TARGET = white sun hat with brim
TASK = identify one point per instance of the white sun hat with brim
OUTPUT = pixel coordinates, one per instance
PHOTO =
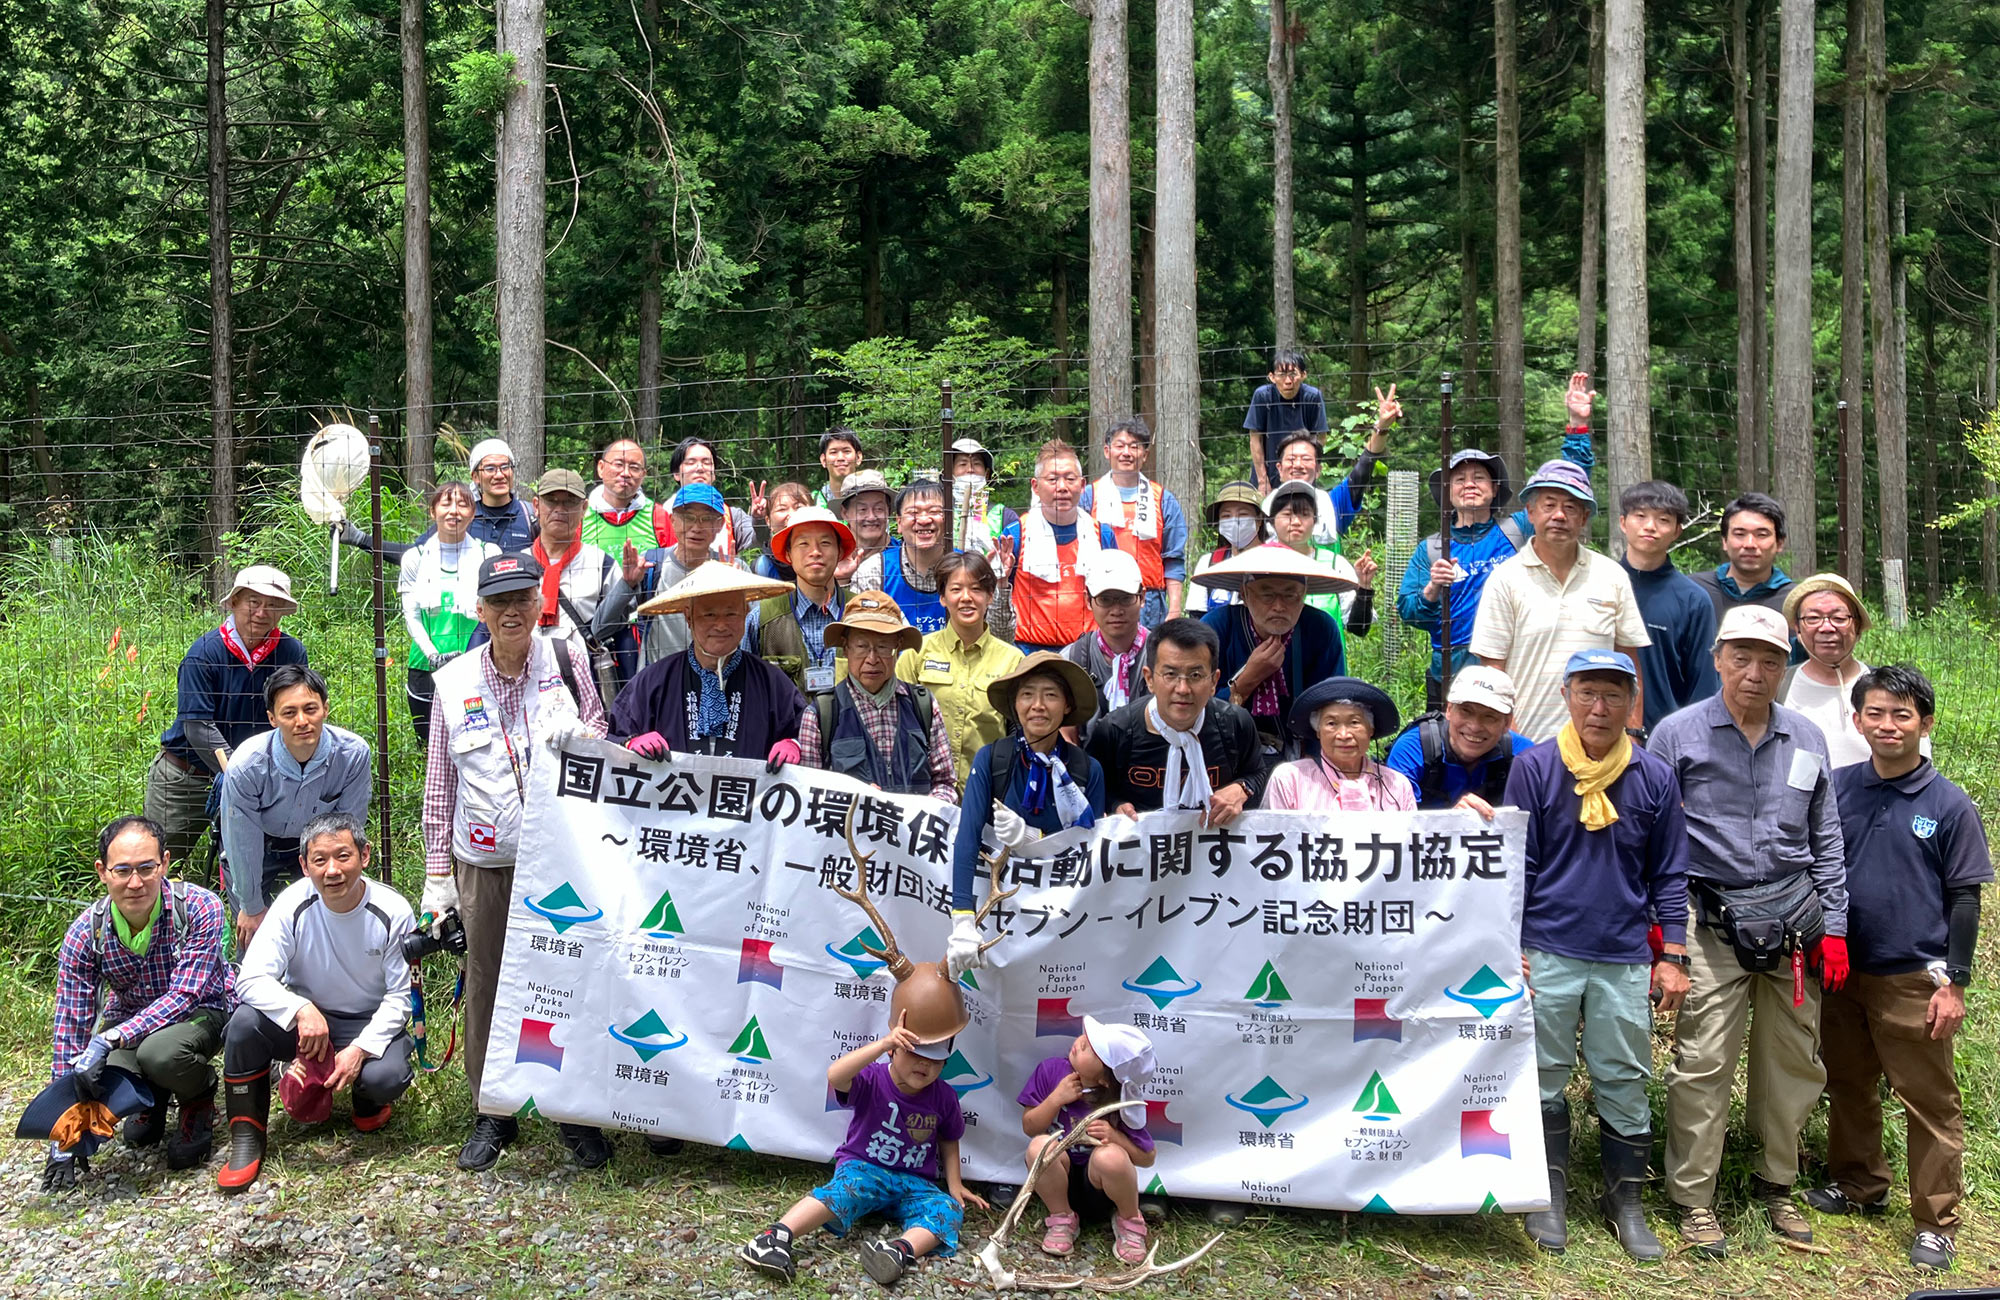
(266, 581)
(1273, 560)
(714, 578)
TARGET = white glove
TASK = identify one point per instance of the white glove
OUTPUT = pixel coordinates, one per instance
(440, 896)
(961, 952)
(563, 730)
(1009, 828)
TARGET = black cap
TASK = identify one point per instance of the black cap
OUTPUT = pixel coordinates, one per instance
(509, 571)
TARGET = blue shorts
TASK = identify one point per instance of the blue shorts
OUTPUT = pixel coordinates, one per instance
(859, 1188)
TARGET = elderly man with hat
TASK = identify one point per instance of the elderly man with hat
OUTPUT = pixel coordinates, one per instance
(326, 987)
(1768, 877)
(714, 697)
(498, 707)
(789, 631)
(500, 518)
(865, 504)
(1236, 515)
(1553, 599)
(1828, 619)
(698, 511)
(1461, 758)
(1334, 722)
(872, 726)
(1112, 650)
(142, 986)
(1605, 857)
(1274, 645)
(219, 703)
(1146, 518)
(978, 521)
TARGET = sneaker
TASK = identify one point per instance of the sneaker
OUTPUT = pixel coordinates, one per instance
(884, 1261)
(1225, 1214)
(1059, 1234)
(1128, 1238)
(369, 1121)
(1932, 1250)
(586, 1145)
(1786, 1219)
(1001, 1195)
(491, 1134)
(1831, 1200)
(1703, 1233)
(765, 1253)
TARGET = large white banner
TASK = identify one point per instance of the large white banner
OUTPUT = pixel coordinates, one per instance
(1336, 1000)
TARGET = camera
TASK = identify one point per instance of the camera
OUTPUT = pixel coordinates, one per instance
(447, 934)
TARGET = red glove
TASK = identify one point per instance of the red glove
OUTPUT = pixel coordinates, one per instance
(785, 751)
(1830, 956)
(1656, 939)
(650, 744)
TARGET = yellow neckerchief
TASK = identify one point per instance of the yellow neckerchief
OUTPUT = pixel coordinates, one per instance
(1593, 776)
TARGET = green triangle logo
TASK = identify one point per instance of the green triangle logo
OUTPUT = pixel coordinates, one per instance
(1491, 1205)
(1484, 981)
(1160, 972)
(738, 1144)
(749, 1046)
(664, 918)
(1268, 990)
(969, 982)
(1267, 1089)
(1375, 1101)
(1376, 1205)
(527, 1110)
(1156, 1187)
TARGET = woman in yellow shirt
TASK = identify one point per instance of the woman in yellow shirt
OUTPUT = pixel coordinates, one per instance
(957, 662)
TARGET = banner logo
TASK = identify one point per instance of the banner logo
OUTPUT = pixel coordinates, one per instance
(1052, 1016)
(854, 953)
(1376, 1205)
(561, 908)
(962, 1075)
(749, 1046)
(1267, 1100)
(1478, 1137)
(1485, 992)
(664, 921)
(1162, 983)
(1268, 990)
(1372, 1022)
(755, 966)
(1375, 1101)
(647, 1036)
(1924, 827)
(1162, 1128)
(535, 1047)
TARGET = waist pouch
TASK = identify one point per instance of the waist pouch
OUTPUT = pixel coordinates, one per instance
(1765, 922)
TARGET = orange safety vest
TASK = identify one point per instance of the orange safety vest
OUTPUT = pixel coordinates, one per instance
(1146, 550)
(1057, 613)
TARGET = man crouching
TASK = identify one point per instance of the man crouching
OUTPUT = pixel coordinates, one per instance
(324, 985)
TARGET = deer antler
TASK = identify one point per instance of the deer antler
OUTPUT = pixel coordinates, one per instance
(889, 953)
(994, 895)
(1005, 1280)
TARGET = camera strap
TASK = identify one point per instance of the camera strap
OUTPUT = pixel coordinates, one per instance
(419, 1022)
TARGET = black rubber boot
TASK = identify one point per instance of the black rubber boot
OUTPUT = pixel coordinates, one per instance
(247, 1099)
(1624, 1162)
(1549, 1228)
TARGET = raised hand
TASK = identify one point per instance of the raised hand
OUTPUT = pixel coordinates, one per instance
(758, 502)
(1003, 558)
(1579, 398)
(631, 567)
(1387, 409)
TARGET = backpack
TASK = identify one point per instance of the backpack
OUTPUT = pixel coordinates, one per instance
(1427, 550)
(1432, 735)
(100, 916)
(823, 704)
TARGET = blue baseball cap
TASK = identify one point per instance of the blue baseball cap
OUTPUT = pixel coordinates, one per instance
(1600, 661)
(700, 494)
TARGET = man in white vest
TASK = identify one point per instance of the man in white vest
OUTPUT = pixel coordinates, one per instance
(497, 709)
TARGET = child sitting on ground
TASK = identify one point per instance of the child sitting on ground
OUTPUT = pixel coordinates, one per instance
(1106, 1063)
(906, 1125)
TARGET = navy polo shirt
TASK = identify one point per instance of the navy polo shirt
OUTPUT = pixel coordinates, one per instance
(1591, 895)
(215, 686)
(1908, 840)
(1407, 757)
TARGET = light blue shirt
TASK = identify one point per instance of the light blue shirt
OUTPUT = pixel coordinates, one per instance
(266, 792)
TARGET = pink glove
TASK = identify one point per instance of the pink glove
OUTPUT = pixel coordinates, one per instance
(785, 751)
(651, 744)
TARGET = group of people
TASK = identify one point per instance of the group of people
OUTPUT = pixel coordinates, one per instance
(1730, 817)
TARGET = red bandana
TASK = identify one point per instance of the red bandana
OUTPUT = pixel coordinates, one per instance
(552, 578)
(257, 654)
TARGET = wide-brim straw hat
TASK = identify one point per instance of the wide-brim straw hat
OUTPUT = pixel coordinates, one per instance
(714, 578)
(1273, 560)
(872, 611)
(781, 541)
(1082, 691)
(1825, 582)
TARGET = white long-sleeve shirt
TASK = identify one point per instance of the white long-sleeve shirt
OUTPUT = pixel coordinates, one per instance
(344, 963)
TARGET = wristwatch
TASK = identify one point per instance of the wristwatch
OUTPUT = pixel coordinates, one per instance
(1679, 959)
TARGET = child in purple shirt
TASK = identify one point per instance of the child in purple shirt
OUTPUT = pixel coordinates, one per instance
(906, 1125)
(1106, 1063)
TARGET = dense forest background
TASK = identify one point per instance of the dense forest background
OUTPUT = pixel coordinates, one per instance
(764, 218)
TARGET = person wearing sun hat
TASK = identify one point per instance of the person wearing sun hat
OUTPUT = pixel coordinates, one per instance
(1274, 645)
(219, 703)
(1236, 515)
(872, 726)
(698, 513)
(1556, 597)
(788, 631)
(1828, 619)
(1335, 721)
(1104, 1063)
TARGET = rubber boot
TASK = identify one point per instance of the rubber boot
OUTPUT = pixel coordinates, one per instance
(191, 1145)
(1624, 1162)
(248, 1102)
(1549, 1228)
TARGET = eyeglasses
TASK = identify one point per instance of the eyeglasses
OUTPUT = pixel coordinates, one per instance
(504, 467)
(1117, 599)
(1825, 620)
(869, 650)
(1171, 677)
(1613, 700)
(626, 466)
(125, 871)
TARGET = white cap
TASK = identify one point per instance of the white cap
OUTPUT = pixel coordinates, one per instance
(489, 447)
(1479, 684)
(1754, 623)
(264, 580)
(1128, 1054)
(1113, 570)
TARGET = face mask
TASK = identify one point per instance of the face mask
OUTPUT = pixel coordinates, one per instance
(976, 481)
(1239, 531)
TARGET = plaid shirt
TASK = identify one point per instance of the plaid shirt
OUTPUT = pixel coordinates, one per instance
(813, 621)
(507, 696)
(179, 975)
(879, 721)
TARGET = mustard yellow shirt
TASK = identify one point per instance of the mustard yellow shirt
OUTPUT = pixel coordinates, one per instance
(958, 675)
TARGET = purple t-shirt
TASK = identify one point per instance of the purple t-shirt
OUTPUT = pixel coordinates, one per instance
(894, 1130)
(1043, 1082)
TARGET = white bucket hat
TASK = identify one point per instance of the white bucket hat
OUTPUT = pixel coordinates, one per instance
(264, 580)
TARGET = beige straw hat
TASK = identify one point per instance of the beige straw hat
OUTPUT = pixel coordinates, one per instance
(714, 578)
(1273, 560)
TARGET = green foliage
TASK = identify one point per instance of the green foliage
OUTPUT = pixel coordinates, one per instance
(476, 87)
(1982, 444)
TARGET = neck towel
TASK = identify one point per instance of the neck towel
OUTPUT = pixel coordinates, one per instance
(1593, 776)
(1187, 771)
(552, 574)
(1039, 557)
(1118, 687)
(1048, 777)
(969, 504)
(1108, 504)
(232, 640)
